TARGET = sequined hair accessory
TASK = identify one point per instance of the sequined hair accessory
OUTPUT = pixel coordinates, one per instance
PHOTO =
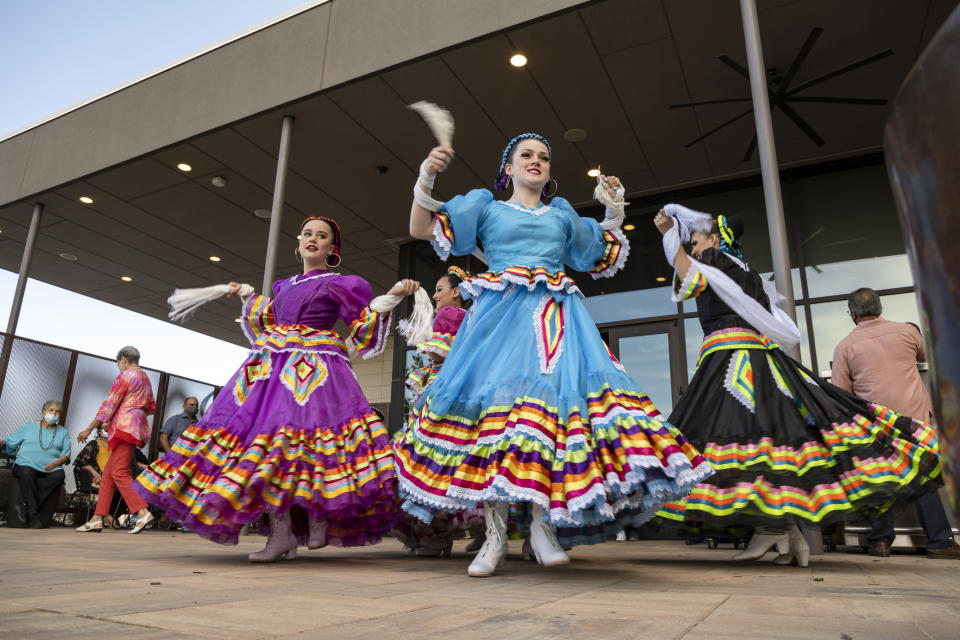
(728, 242)
(458, 272)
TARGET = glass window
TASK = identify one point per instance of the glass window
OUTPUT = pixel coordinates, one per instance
(693, 337)
(841, 278)
(630, 305)
(831, 323)
(647, 359)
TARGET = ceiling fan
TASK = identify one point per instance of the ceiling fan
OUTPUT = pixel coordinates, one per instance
(781, 93)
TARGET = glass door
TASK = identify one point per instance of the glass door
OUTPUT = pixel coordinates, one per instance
(653, 355)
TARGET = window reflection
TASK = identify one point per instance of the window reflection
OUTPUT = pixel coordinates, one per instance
(840, 278)
(630, 305)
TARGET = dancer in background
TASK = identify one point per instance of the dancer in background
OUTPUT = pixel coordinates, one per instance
(125, 413)
(530, 406)
(291, 434)
(787, 446)
(436, 538)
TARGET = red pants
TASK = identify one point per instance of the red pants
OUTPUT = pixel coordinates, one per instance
(117, 473)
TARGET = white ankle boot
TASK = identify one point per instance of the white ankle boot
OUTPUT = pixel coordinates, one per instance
(798, 552)
(762, 541)
(281, 543)
(494, 549)
(543, 540)
(318, 534)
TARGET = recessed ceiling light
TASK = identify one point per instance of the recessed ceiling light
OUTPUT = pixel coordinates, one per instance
(262, 213)
(298, 236)
(593, 173)
(629, 227)
(86, 199)
(237, 320)
(183, 166)
(218, 181)
(68, 256)
(518, 60)
(214, 258)
(575, 135)
(126, 278)
(661, 279)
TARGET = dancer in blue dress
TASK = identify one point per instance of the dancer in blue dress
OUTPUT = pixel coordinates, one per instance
(530, 405)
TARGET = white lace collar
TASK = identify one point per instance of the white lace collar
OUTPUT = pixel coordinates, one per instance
(539, 211)
(297, 279)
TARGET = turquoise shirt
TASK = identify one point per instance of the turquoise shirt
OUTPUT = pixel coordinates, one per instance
(38, 449)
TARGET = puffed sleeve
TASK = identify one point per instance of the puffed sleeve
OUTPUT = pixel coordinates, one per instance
(695, 282)
(455, 225)
(445, 326)
(368, 328)
(590, 247)
(257, 318)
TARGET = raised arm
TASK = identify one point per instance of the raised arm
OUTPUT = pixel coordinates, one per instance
(681, 261)
(421, 218)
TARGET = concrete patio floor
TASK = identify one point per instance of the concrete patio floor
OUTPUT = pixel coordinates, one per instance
(56, 583)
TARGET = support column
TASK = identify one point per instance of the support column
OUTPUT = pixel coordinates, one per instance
(25, 268)
(276, 210)
(769, 168)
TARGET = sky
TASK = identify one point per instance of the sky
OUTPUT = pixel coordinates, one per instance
(59, 53)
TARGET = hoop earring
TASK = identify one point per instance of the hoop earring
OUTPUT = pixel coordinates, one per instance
(296, 255)
(556, 187)
(333, 264)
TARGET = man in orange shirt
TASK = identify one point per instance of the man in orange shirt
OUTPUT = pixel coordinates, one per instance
(878, 362)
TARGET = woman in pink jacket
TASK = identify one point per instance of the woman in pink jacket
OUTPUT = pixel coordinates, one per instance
(125, 413)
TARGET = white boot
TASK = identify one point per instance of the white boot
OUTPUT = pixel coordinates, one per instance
(318, 534)
(762, 541)
(281, 543)
(798, 551)
(494, 549)
(544, 541)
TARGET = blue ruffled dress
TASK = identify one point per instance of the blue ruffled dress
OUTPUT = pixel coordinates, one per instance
(530, 405)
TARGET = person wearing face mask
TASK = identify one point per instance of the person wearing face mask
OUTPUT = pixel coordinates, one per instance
(530, 405)
(174, 427)
(788, 447)
(42, 447)
(124, 413)
(291, 438)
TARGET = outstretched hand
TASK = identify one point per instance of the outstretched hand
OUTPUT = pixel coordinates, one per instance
(234, 290)
(663, 221)
(403, 288)
(438, 160)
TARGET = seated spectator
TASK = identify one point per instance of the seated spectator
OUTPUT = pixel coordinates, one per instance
(174, 427)
(42, 448)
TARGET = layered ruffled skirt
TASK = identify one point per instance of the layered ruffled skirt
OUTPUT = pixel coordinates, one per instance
(531, 407)
(290, 432)
(786, 445)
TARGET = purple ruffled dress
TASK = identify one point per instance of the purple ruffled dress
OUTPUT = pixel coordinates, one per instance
(291, 430)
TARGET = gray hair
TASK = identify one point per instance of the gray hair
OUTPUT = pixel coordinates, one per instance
(864, 303)
(130, 353)
(50, 403)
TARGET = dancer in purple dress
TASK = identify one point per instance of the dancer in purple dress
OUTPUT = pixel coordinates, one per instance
(291, 433)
